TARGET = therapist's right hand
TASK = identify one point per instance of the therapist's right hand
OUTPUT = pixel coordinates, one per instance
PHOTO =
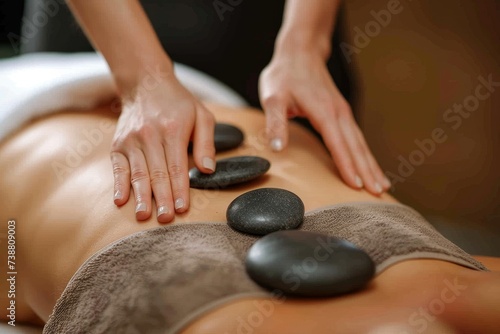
(149, 149)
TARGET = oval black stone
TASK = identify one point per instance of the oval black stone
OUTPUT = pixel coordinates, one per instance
(308, 264)
(265, 210)
(229, 171)
(226, 137)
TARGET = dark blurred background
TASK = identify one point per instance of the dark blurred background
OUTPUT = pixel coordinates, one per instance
(11, 12)
(427, 59)
(410, 72)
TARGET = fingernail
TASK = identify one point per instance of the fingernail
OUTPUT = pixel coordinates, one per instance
(179, 203)
(391, 329)
(140, 207)
(161, 211)
(378, 188)
(208, 163)
(118, 195)
(276, 144)
(387, 183)
(359, 182)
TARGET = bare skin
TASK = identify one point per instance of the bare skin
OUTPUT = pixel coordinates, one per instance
(70, 217)
(149, 146)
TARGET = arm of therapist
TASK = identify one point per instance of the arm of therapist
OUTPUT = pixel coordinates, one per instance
(297, 83)
(158, 117)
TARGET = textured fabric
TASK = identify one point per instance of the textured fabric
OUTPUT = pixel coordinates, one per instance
(157, 280)
(389, 233)
(40, 84)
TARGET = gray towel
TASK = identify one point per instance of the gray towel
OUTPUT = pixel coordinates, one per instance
(159, 280)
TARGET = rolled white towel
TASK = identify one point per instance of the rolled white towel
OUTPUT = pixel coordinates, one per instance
(41, 83)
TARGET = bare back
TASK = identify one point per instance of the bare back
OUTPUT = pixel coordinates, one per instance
(56, 182)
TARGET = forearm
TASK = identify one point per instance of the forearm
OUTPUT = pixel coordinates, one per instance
(121, 31)
(308, 26)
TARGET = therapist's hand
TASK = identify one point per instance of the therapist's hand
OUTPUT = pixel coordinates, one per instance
(149, 149)
(299, 84)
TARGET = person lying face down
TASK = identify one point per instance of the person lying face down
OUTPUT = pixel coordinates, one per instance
(85, 265)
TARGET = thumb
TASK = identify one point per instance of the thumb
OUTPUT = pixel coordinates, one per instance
(276, 123)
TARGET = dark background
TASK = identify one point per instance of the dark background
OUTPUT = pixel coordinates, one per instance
(11, 12)
(428, 58)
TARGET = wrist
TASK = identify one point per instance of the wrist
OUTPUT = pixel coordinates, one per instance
(297, 41)
(142, 73)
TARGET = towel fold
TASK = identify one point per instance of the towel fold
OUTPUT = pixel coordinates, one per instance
(157, 281)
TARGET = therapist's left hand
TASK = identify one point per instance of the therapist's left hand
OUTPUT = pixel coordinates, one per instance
(299, 84)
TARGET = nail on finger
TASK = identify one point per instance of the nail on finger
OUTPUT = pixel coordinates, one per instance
(179, 204)
(140, 207)
(359, 182)
(276, 144)
(162, 210)
(208, 163)
(387, 183)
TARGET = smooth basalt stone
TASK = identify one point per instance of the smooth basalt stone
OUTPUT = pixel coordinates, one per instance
(308, 264)
(229, 172)
(265, 210)
(226, 137)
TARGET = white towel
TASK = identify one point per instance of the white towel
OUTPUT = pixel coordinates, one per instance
(41, 83)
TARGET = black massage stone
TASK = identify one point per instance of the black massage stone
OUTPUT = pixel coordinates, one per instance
(265, 210)
(229, 172)
(226, 137)
(308, 264)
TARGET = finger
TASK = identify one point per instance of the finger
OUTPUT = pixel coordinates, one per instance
(141, 184)
(374, 166)
(121, 175)
(325, 120)
(203, 141)
(336, 144)
(276, 122)
(177, 166)
(160, 181)
(359, 153)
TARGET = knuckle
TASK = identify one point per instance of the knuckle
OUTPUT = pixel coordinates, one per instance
(119, 170)
(145, 132)
(344, 112)
(345, 107)
(171, 127)
(273, 99)
(266, 75)
(138, 175)
(124, 140)
(325, 106)
(118, 144)
(209, 118)
(265, 72)
(175, 171)
(158, 175)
